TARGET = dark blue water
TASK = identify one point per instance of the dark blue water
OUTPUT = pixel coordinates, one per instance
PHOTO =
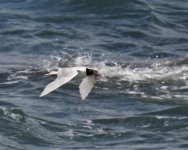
(140, 48)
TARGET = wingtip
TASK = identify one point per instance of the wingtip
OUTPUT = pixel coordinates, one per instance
(82, 98)
(42, 94)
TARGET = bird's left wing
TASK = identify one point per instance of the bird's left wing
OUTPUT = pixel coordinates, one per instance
(64, 75)
(86, 85)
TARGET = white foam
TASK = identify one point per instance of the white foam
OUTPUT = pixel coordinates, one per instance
(156, 71)
(163, 76)
(172, 117)
(17, 77)
(69, 133)
(9, 82)
(10, 114)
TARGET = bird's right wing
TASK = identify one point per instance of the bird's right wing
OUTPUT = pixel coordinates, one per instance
(64, 75)
(86, 85)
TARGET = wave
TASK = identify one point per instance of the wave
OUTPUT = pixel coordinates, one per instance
(132, 72)
(154, 80)
(160, 120)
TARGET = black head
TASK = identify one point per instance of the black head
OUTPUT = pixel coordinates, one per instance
(91, 72)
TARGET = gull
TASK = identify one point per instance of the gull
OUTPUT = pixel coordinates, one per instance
(64, 75)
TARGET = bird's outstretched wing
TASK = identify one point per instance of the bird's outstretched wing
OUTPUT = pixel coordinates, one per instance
(86, 85)
(64, 75)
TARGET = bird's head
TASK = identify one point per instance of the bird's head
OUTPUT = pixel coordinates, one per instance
(91, 72)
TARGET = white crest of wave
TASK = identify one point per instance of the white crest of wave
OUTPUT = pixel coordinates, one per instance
(157, 80)
(143, 73)
(133, 74)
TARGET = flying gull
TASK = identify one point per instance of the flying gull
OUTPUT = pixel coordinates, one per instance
(64, 75)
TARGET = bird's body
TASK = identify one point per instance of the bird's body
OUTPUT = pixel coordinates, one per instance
(64, 75)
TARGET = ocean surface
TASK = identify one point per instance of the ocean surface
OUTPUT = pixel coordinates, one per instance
(139, 47)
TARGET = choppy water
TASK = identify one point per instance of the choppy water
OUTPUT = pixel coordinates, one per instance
(139, 47)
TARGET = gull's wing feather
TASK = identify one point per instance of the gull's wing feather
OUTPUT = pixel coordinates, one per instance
(86, 85)
(64, 75)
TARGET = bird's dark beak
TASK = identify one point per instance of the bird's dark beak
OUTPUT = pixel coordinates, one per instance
(95, 72)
